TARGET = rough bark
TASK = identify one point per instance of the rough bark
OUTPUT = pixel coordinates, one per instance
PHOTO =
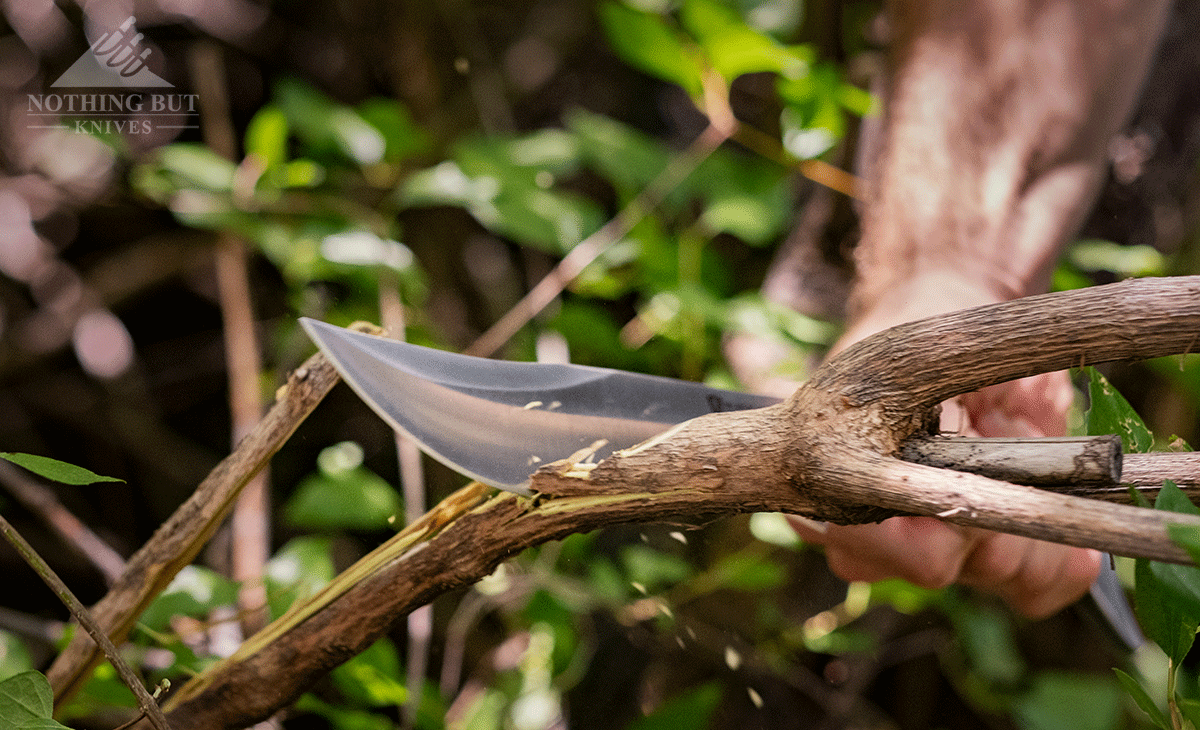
(829, 452)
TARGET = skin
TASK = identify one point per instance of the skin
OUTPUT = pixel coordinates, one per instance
(994, 144)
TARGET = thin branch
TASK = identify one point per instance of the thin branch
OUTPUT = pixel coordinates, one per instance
(251, 520)
(146, 703)
(914, 366)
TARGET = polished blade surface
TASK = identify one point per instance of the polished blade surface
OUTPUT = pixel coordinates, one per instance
(498, 421)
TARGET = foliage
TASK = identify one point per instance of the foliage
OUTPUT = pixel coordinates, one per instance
(25, 702)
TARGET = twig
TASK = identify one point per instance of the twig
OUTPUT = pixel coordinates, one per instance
(145, 702)
(250, 524)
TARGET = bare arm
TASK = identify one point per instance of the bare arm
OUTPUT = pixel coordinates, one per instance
(995, 136)
(996, 130)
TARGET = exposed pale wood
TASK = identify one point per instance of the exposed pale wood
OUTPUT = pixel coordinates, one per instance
(1086, 460)
(829, 452)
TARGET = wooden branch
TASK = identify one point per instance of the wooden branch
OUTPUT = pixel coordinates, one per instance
(829, 452)
(177, 542)
(1145, 473)
(914, 366)
(274, 673)
(1082, 461)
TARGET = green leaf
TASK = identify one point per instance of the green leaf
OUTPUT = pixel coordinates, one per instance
(744, 572)
(24, 697)
(814, 118)
(359, 500)
(547, 609)
(1124, 261)
(648, 43)
(1167, 621)
(734, 48)
(1190, 709)
(1055, 702)
(14, 655)
(1188, 538)
(373, 678)
(196, 166)
(403, 136)
(689, 710)
(298, 570)
(341, 718)
(56, 470)
(652, 569)
(103, 690)
(194, 591)
(904, 596)
(328, 127)
(747, 197)
(343, 495)
(1143, 700)
(507, 185)
(267, 136)
(627, 158)
(1173, 589)
(987, 639)
(1111, 413)
(773, 528)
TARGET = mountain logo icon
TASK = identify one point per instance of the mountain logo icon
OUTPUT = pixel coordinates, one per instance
(115, 59)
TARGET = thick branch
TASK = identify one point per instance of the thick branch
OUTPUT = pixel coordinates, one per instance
(828, 452)
(670, 486)
(914, 366)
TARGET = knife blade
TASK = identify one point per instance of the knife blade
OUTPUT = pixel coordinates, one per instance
(498, 421)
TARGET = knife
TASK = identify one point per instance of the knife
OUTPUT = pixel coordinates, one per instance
(497, 421)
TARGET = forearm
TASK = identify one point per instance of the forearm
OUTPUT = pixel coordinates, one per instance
(999, 117)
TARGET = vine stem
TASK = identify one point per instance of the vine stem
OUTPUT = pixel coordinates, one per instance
(146, 703)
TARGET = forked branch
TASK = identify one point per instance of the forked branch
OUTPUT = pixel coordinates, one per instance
(829, 452)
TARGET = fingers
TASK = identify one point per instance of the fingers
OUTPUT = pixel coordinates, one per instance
(922, 550)
(1036, 578)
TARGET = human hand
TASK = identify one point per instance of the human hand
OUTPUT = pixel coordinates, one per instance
(1036, 578)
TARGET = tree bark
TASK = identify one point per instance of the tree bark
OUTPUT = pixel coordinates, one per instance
(829, 452)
